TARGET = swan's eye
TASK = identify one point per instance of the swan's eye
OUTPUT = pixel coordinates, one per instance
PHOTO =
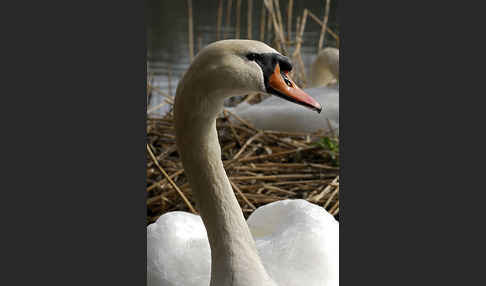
(251, 56)
(287, 81)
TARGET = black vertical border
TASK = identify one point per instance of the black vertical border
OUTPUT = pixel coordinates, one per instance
(73, 147)
(403, 106)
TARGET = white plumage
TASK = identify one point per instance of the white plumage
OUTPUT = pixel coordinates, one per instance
(297, 241)
(290, 242)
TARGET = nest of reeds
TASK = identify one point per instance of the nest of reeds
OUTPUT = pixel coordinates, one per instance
(262, 166)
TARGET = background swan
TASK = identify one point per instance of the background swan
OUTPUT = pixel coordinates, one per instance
(273, 114)
(290, 242)
(325, 68)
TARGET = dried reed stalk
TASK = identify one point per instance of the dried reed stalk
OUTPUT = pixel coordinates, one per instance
(170, 180)
(262, 24)
(279, 39)
(296, 56)
(279, 18)
(169, 77)
(149, 84)
(228, 18)
(331, 32)
(324, 26)
(289, 19)
(242, 195)
(158, 106)
(199, 43)
(219, 19)
(249, 19)
(297, 27)
(238, 14)
(269, 21)
(190, 34)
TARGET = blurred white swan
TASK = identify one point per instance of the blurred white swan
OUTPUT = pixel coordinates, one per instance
(285, 243)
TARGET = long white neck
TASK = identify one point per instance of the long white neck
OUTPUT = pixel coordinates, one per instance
(234, 257)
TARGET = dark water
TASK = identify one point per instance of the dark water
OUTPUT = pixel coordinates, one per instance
(167, 26)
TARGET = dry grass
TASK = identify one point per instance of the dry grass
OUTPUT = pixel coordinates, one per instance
(263, 167)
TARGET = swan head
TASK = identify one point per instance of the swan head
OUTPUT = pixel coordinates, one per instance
(238, 67)
(325, 68)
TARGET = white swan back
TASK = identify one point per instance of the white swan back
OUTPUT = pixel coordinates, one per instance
(276, 114)
(178, 252)
(298, 242)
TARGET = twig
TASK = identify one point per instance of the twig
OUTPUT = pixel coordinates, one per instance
(154, 108)
(333, 209)
(279, 18)
(276, 177)
(170, 180)
(318, 21)
(241, 120)
(190, 34)
(323, 30)
(161, 182)
(262, 24)
(249, 19)
(220, 19)
(331, 197)
(289, 19)
(273, 188)
(228, 18)
(169, 78)
(246, 145)
(262, 157)
(242, 195)
(233, 132)
(238, 13)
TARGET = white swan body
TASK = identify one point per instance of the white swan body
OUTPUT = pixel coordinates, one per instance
(297, 241)
(275, 114)
(299, 232)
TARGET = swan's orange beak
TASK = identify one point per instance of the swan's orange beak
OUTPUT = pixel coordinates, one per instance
(287, 89)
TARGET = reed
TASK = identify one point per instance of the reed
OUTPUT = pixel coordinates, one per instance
(199, 43)
(262, 24)
(289, 19)
(269, 21)
(324, 26)
(296, 56)
(279, 18)
(190, 34)
(249, 19)
(228, 18)
(169, 78)
(219, 19)
(279, 40)
(238, 14)
(149, 83)
(331, 32)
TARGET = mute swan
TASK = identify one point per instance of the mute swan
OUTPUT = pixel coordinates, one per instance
(289, 242)
(272, 114)
(325, 68)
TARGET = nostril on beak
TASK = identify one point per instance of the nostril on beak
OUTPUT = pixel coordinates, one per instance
(287, 81)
